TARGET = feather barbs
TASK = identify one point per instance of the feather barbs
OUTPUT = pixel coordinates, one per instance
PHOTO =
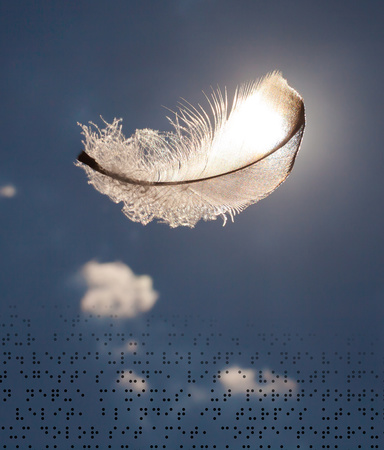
(210, 165)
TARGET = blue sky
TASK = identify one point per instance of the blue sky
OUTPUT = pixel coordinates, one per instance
(308, 259)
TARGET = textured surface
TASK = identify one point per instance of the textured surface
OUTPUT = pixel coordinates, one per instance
(207, 167)
(183, 383)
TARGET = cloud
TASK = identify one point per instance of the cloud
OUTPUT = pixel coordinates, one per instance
(129, 378)
(131, 347)
(241, 381)
(113, 289)
(7, 191)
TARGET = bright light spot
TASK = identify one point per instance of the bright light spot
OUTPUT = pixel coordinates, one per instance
(7, 191)
(258, 123)
(254, 128)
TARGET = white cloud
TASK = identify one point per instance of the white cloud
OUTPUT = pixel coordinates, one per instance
(7, 191)
(113, 289)
(241, 381)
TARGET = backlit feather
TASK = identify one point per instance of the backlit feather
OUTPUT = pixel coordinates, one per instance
(211, 164)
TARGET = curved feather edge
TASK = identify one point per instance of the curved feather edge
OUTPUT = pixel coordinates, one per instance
(160, 175)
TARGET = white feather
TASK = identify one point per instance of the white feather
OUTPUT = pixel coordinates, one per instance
(208, 166)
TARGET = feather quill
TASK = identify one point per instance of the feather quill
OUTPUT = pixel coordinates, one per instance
(210, 165)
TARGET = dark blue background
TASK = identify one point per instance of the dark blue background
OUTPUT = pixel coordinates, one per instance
(309, 258)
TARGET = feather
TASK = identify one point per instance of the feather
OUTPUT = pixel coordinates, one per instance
(209, 165)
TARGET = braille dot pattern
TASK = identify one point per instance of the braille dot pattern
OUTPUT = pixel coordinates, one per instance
(76, 380)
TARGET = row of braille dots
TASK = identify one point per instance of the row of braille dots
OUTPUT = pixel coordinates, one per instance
(248, 434)
(146, 374)
(54, 432)
(106, 338)
(37, 374)
(72, 359)
(76, 358)
(263, 336)
(261, 446)
(218, 358)
(74, 446)
(225, 357)
(328, 432)
(176, 320)
(54, 394)
(41, 413)
(169, 360)
(202, 446)
(173, 321)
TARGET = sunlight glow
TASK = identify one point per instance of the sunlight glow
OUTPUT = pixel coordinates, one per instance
(259, 123)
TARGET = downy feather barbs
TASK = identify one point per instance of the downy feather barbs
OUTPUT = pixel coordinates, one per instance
(210, 165)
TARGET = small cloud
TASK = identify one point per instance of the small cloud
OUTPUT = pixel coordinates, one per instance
(113, 289)
(132, 347)
(129, 379)
(7, 191)
(241, 381)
